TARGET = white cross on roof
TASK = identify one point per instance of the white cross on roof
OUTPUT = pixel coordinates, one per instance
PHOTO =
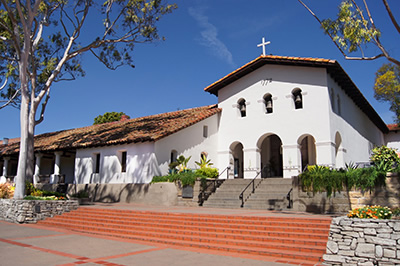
(263, 44)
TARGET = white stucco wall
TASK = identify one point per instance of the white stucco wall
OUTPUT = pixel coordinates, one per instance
(190, 142)
(145, 160)
(141, 164)
(392, 140)
(358, 133)
(291, 125)
(288, 123)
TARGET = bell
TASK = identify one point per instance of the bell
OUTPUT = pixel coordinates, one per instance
(269, 104)
(298, 99)
(243, 108)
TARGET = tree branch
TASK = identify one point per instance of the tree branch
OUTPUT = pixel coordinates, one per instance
(11, 99)
(320, 22)
(62, 11)
(364, 58)
(13, 31)
(375, 39)
(4, 84)
(105, 63)
(81, 21)
(40, 120)
(392, 18)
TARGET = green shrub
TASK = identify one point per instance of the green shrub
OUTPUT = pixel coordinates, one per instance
(186, 178)
(208, 172)
(189, 178)
(396, 211)
(157, 179)
(80, 194)
(29, 188)
(322, 179)
(46, 193)
(30, 197)
(204, 163)
(36, 193)
(385, 159)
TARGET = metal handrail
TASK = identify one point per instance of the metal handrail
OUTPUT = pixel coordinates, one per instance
(288, 198)
(254, 188)
(203, 193)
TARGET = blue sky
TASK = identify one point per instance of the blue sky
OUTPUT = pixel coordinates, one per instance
(205, 40)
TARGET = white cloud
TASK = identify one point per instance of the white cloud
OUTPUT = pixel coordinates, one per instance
(209, 36)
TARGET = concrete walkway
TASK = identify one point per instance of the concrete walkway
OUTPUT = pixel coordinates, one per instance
(39, 245)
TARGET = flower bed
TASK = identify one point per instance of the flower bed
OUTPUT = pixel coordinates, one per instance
(371, 212)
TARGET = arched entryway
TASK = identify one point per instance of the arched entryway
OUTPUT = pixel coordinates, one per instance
(339, 160)
(236, 151)
(271, 156)
(307, 151)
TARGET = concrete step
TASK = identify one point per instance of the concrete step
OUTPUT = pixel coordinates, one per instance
(278, 181)
(227, 195)
(293, 239)
(266, 196)
(270, 193)
(272, 189)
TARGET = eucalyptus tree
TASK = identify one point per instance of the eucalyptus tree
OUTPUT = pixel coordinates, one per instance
(42, 42)
(353, 30)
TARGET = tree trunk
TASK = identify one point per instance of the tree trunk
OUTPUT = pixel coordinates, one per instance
(19, 192)
(23, 152)
(30, 145)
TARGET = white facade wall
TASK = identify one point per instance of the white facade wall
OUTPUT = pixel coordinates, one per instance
(357, 132)
(141, 164)
(288, 123)
(145, 160)
(352, 128)
(190, 142)
(392, 140)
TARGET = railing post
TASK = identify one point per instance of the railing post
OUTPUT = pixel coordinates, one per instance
(241, 196)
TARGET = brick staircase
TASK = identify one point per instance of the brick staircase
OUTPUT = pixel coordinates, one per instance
(292, 240)
(270, 194)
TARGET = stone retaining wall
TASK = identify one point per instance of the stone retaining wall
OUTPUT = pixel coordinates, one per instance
(31, 211)
(344, 201)
(363, 242)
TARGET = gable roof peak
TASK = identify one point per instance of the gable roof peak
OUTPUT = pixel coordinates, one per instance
(332, 67)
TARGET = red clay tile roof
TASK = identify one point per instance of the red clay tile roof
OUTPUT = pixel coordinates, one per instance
(393, 127)
(260, 61)
(10, 140)
(332, 66)
(149, 128)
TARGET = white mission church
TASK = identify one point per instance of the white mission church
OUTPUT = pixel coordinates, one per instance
(275, 115)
